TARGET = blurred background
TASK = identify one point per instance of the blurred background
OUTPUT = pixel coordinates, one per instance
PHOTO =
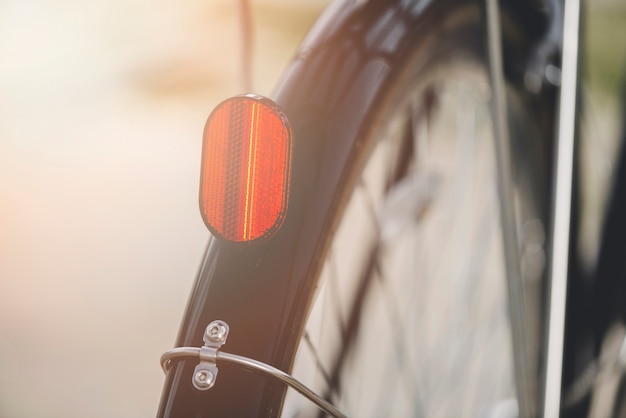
(102, 106)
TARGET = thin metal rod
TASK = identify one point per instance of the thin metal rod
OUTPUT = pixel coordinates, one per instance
(283, 377)
(246, 44)
(515, 287)
(562, 209)
(179, 352)
(256, 366)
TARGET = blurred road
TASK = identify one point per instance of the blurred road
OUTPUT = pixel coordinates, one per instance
(102, 107)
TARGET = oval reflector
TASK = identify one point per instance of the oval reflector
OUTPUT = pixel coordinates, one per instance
(246, 162)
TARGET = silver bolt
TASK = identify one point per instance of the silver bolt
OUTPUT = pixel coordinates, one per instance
(204, 379)
(216, 332)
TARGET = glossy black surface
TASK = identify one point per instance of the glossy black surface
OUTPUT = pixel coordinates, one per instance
(328, 92)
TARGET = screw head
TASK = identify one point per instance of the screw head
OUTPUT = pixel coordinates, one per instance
(216, 332)
(204, 379)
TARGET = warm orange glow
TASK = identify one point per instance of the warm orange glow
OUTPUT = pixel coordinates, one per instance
(246, 161)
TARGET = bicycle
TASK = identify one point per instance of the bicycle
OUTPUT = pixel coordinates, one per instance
(368, 89)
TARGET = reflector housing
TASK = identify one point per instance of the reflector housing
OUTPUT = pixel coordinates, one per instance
(246, 162)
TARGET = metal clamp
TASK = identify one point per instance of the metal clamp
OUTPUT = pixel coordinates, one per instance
(205, 373)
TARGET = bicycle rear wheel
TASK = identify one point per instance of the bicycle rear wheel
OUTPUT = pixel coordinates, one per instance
(410, 316)
(411, 310)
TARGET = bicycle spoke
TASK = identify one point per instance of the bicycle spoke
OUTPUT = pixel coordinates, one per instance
(423, 232)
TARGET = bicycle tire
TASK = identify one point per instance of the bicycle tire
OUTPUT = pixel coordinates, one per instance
(345, 79)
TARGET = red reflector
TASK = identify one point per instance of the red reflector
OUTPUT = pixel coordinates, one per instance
(246, 158)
